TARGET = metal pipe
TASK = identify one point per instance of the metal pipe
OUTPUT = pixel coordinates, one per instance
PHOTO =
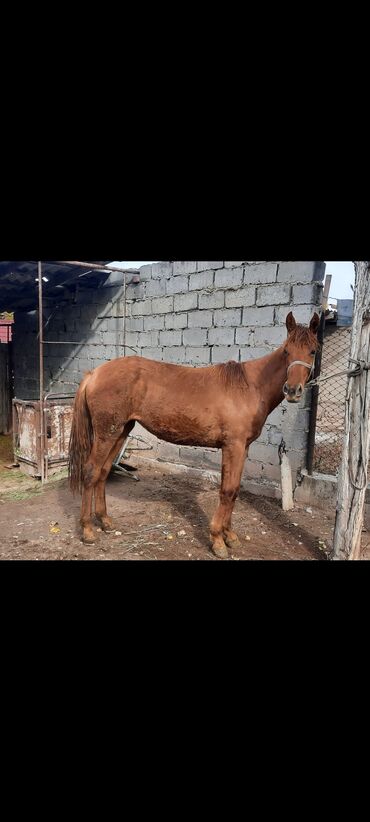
(57, 396)
(315, 398)
(124, 314)
(94, 267)
(82, 342)
(41, 364)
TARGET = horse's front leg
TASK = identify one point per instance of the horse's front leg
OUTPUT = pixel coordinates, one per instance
(230, 537)
(233, 457)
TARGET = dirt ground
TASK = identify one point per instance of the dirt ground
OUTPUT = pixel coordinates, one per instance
(164, 516)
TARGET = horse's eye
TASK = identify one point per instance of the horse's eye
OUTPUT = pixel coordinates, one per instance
(313, 353)
(285, 351)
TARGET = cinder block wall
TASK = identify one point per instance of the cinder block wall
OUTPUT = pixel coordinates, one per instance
(193, 313)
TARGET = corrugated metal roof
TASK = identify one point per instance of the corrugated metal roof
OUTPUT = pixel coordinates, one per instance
(18, 281)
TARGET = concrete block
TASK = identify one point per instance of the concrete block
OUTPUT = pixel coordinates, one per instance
(185, 302)
(311, 293)
(148, 339)
(273, 335)
(177, 285)
(145, 273)
(205, 279)
(227, 317)
(115, 324)
(253, 317)
(244, 296)
(170, 337)
(221, 336)
(155, 288)
(230, 278)
(198, 356)
(184, 267)
(233, 263)
(200, 319)
(261, 273)
(277, 416)
(154, 322)
(249, 352)
(96, 325)
(176, 320)
(221, 353)
(135, 323)
(142, 308)
(294, 271)
(133, 338)
(111, 338)
(163, 269)
(162, 305)
(264, 453)
(203, 266)
(175, 354)
(244, 336)
(261, 471)
(294, 440)
(135, 291)
(273, 294)
(302, 313)
(195, 336)
(216, 299)
(155, 353)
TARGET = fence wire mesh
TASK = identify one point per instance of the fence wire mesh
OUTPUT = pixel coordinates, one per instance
(331, 401)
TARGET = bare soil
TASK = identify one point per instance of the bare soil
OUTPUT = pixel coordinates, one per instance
(161, 517)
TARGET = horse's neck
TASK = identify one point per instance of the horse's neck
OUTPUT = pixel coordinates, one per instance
(269, 375)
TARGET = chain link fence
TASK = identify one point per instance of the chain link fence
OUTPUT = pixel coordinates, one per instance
(331, 401)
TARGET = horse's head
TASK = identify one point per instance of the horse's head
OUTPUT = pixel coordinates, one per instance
(300, 349)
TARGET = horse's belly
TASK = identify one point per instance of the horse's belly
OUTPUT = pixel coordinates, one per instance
(182, 430)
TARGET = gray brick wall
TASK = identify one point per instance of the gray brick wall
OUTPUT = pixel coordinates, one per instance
(191, 312)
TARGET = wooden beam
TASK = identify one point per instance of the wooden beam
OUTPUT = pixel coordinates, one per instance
(352, 479)
(326, 292)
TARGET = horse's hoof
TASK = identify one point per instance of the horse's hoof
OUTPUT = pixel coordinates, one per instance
(232, 542)
(88, 537)
(220, 551)
(107, 527)
(88, 540)
(106, 524)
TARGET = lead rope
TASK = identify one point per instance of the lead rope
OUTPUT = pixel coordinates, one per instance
(360, 367)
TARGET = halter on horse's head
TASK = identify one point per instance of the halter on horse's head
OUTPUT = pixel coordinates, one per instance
(300, 349)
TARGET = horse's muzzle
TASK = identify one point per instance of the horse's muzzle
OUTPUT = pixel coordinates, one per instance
(293, 393)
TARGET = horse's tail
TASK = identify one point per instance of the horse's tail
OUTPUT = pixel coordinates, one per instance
(81, 439)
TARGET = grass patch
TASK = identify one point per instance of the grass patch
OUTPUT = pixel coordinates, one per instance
(18, 486)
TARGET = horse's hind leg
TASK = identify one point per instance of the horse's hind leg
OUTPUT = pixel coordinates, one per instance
(100, 501)
(232, 466)
(88, 535)
(92, 469)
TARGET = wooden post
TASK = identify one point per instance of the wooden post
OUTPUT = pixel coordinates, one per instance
(325, 295)
(287, 502)
(352, 479)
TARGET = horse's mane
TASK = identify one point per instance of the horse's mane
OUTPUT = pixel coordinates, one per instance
(303, 336)
(231, 374)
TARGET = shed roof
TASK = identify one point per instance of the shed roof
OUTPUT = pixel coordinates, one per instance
(18, 281)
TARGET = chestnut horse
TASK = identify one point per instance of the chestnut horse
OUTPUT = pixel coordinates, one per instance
(220, 406)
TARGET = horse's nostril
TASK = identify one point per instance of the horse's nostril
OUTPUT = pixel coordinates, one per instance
(299, 390)
(286, 389)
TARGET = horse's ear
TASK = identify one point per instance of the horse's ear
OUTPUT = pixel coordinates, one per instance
(314, 324)
(290, 323)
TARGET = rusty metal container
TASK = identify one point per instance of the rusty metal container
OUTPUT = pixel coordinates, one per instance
(29, 450)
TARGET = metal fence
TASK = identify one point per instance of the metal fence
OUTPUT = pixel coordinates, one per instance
(331, 400)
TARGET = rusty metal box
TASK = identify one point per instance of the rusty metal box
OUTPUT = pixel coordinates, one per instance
(29, 450)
